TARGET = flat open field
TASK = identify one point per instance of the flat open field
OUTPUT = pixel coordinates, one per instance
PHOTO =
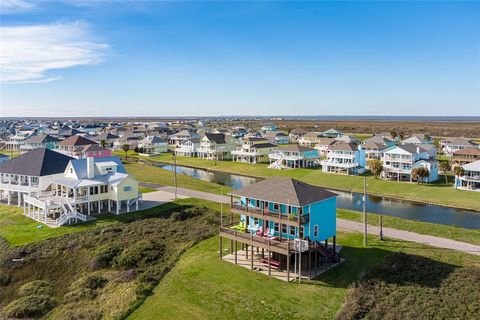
(469, 129)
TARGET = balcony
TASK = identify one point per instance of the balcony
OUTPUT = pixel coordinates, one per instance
(263, 214)
(279, 246)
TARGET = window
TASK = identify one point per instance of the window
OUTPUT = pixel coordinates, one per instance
(284, 228)
(292, 230)
(127, 188)
(315, 230)
(95, 190)
(275, 227)
(302, 232)
(276, 207)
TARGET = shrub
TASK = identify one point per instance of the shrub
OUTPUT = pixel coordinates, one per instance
(5, 279)
(30, 306)
(140, 254)
(37, 287)
(93, 282)
(104, 258)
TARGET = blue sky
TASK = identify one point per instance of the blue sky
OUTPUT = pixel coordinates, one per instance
(118, 58)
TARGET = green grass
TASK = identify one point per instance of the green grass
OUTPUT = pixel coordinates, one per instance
(438, 192)
(450, 232)
(19, 230)
(151, 174)
(146, 190)
(204, 287)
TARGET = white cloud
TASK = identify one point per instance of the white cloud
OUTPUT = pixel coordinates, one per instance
(14, 6)
(29, 53)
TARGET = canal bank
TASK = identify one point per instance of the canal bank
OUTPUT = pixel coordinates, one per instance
(351, 200)
(444, 195)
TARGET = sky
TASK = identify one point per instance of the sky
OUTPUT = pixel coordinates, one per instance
(195, 58)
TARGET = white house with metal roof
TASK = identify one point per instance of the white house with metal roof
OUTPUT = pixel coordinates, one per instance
(399, 161)
(87, 186)
(470, 180)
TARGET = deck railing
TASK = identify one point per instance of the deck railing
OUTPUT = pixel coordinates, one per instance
(257, 240)
(261, 211)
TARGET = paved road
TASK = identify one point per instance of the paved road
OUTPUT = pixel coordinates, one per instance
(343, 224)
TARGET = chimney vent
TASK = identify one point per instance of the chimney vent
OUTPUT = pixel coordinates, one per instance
(90, 167)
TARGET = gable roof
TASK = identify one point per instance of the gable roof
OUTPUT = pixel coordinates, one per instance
(467, 151)
(107, 136)
(344, 146)
(285, 190)
(473, 166)
(296, 148)
(80, 165)
(76, 141)
(37, 162)
(41, 138)
(218, 138)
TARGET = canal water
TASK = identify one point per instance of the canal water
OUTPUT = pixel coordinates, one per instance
(353, 200)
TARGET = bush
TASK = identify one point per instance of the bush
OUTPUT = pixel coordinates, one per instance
(104, 258)
(37, 287)
(139, 254)
(93, 282)
(30, 306)
(5, 279)
(188, 213)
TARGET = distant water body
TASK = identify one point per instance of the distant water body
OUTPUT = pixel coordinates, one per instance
(382, 118)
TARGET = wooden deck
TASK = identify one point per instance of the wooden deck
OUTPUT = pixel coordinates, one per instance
(281, 247)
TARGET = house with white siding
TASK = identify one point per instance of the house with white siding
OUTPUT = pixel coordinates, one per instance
(86, 187)
(294, 156)
(344, 158)
(188, 147)
(450, 146)
(399, 161)
(470, 180)
(30, 174)
(216, 146)
(253, 150)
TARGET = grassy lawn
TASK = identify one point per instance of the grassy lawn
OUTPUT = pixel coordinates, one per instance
(438, 193)
(151, 174)
(450, 232)
(206, 288)
(19, 230)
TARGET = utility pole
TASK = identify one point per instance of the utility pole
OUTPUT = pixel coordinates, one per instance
(365, 241)
(380, 224)
(175, 173)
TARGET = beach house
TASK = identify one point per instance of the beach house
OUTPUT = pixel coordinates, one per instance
(253, 150)
(344, 158)
(294, 156)
(86, 187)
(399, 161)
(284, 225)
(470, 180)
(216, 146)
(30, 174)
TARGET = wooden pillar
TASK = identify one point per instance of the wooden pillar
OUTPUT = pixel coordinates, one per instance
(309, 264)
(251, 258)
(334, 244)
(269, 259)
(235, 251)
(288, 265)
(316, 255)
(220, 244)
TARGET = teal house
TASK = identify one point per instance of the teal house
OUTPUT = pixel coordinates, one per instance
(293, 224)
